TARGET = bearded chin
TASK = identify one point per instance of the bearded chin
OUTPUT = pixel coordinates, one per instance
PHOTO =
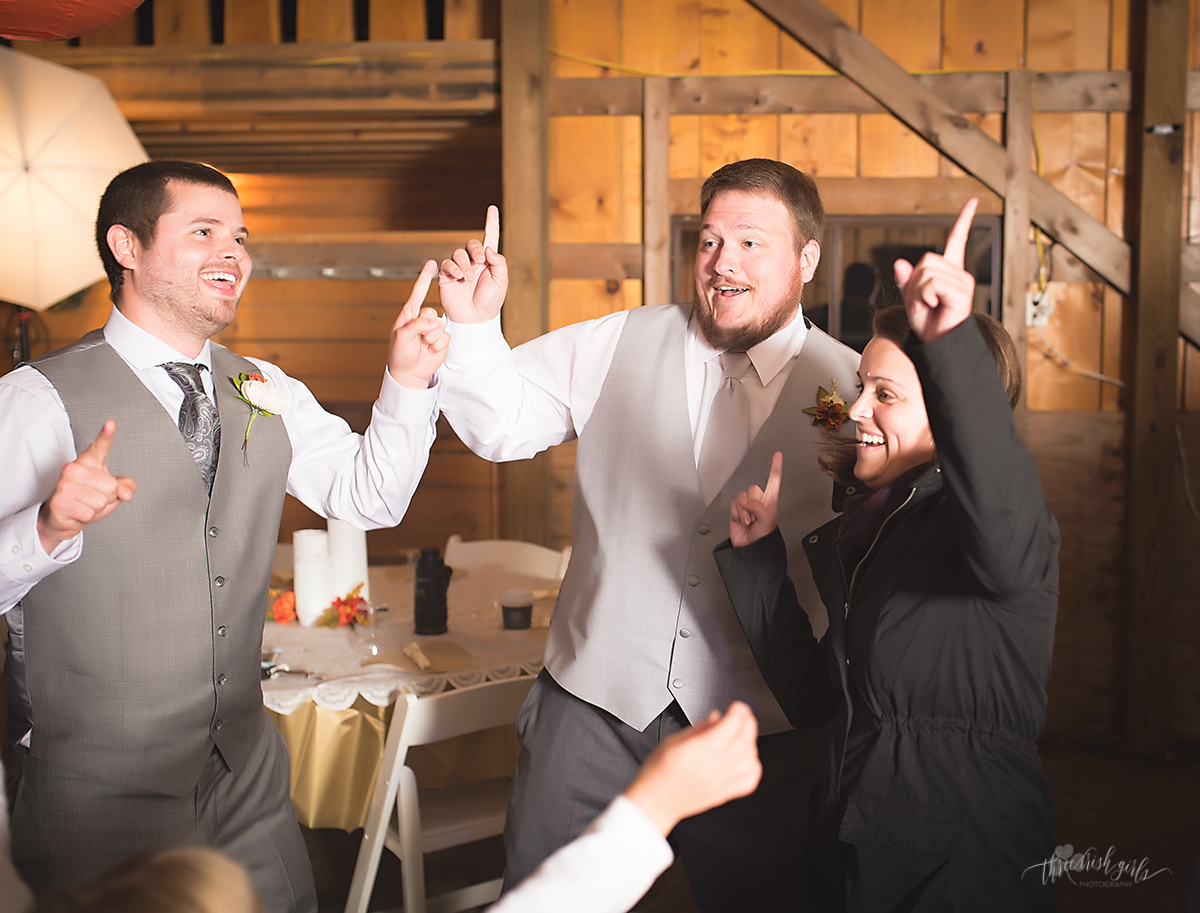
(745, 337)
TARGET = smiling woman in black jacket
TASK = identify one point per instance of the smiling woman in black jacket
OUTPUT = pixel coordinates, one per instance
(941, 583)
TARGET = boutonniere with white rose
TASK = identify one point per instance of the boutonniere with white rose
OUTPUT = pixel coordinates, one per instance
(263, 398)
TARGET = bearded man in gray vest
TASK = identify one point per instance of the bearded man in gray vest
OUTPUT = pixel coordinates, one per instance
(134, 565)
(676, 408)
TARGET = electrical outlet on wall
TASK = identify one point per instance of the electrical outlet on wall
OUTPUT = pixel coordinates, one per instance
(1038, 308)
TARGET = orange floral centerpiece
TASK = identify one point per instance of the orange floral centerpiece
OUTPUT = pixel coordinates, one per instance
(283, 606)
(348, 610)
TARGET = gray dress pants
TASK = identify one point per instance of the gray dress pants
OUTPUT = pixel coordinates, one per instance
(68, 828)
(755, 854)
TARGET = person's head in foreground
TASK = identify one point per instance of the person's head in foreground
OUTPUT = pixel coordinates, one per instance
(175, 879)
(893, 433)
(760, 225)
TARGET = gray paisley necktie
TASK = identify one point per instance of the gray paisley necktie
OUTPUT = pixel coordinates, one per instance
(198, 419)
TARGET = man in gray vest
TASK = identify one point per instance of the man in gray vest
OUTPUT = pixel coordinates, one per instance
(676, 408)
(134, 564)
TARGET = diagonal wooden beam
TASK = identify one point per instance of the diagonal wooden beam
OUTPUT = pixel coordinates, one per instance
(821, 31)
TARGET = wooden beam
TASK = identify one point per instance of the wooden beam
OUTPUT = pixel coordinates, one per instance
(656, 193)
(352, 254)
(379, 78)
(1018, 147)
(871, 196)
(1189, 314)
(1103, 90)
(524, 29)
(944, 127)
(1154, 344)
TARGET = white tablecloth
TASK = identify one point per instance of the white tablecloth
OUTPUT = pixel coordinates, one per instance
(336, 654)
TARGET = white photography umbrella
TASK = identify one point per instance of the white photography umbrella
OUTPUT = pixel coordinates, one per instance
(62, 139)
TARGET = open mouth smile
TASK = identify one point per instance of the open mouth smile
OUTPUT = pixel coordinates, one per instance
(729, 290)
(221, 277)
(869, 439)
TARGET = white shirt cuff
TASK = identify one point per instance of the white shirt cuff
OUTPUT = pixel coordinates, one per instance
(404, 404)
(470, 341)
(22, 558)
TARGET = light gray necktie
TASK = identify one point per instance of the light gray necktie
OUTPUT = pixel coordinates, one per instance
(727, 436)
(198, 419)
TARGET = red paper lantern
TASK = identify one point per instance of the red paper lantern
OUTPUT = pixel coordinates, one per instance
(51, 20)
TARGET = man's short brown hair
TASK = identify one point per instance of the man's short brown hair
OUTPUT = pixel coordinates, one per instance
(137, 199)
(790, 186)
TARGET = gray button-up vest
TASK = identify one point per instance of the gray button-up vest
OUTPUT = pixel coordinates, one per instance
(642, 614)
(144, 653)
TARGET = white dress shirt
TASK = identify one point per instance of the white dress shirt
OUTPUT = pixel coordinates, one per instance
(367, 479)
(509, 404)
(606, 869)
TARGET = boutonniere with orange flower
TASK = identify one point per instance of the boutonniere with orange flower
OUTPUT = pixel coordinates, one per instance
(263, 398)
(830, 411)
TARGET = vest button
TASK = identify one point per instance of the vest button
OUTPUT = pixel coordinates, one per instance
(812, 540)
(850, 489)
(678, 683)
(221, 631)
(684, 632)
(221, 679)
(213, 532)
(702, 529)
(220, 581)
(693, 580)
(218, 725)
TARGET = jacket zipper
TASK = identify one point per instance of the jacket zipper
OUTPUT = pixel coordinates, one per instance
(863, 560)
(849, 591)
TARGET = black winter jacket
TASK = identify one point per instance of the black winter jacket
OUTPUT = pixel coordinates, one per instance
(934, 667)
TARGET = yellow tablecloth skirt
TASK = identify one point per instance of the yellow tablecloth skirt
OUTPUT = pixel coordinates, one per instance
(336, 754)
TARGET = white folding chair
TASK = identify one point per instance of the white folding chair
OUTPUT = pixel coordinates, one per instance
(433, 819)
(511, 554)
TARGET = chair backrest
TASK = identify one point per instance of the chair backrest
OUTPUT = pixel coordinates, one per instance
(511, 554)
(454, 713)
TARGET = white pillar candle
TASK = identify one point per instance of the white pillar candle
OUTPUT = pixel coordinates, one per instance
(348, 556)
(313, 574)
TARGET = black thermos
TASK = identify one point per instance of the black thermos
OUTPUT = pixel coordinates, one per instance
(429, 592)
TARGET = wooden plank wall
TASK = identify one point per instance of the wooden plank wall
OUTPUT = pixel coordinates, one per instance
(1075, 426)
(332, 334)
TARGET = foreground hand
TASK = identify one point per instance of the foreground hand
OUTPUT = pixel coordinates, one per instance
(473, 281)
(755, 513)
(419, 338)
(86, 492)
(938, 292)
(699, 768)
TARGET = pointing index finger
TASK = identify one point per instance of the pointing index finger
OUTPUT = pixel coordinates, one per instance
(412, 307)
(956, 241)
(491, 231)
(771, 492)
(97, 451)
